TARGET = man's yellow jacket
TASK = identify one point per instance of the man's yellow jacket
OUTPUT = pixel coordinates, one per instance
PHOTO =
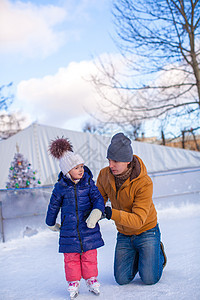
(132, 206)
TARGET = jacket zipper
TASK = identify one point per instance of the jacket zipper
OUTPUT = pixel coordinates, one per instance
(62, 221)
(119, 206)
(76, 199)
(116, 199)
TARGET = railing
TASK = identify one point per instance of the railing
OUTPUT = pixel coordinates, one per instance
(23, 211)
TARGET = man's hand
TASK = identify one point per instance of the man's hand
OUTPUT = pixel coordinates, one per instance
(108, 212)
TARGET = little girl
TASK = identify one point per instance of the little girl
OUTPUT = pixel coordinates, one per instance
(81, 208)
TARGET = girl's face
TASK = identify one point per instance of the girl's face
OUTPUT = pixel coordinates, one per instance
(77, 172)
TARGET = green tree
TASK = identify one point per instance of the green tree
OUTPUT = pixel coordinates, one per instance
(21, 174)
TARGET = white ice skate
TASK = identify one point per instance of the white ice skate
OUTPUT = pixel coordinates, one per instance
(93, 285)
(73, 289)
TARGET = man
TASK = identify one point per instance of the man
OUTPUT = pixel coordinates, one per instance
(126, 183)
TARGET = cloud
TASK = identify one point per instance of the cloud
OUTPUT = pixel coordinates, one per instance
(38, 30)
(68, 94)
(57, 98)
(29, 29)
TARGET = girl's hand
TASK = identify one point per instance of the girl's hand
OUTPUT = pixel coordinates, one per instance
(55, 227)
(93, 218)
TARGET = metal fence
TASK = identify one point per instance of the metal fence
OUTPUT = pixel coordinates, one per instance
(176, 188)
(23, 211)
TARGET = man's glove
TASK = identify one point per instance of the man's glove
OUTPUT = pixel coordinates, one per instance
(108, 212)
(93, 218)
(55, 227)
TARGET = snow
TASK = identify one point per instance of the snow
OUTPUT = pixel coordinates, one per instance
(32, 268)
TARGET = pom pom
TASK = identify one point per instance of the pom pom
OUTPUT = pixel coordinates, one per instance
(58, 147)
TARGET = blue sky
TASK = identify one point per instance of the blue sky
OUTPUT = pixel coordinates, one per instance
(46, 49)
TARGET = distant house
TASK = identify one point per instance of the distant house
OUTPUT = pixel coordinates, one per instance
(188, 142)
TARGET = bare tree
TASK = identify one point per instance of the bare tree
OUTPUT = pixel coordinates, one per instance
(10, 124)
(197, 145)
(186, 134)
(89, 127)
(160, 43)
(6, 98)
(133, 130)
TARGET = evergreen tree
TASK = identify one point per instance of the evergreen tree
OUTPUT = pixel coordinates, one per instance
(21, 174)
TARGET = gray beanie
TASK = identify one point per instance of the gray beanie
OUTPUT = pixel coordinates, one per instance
(120, 148)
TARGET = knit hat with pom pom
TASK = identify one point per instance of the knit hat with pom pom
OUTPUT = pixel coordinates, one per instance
(62, 150)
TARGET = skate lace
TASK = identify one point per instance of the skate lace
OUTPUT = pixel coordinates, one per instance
(73, 284)
(93, 281)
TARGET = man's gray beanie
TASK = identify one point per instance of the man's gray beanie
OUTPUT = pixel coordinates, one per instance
(120, 148)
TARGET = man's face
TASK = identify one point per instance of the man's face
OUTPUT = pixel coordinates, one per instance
(118, 167)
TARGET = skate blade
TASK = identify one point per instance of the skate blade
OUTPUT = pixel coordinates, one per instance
(74, 296)
(97, 293)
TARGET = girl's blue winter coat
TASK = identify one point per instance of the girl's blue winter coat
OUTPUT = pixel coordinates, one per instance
(76, 202)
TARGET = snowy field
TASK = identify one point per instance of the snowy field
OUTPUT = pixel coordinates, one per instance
(32, 268)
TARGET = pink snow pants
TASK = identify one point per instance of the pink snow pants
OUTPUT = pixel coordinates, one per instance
(78, 265)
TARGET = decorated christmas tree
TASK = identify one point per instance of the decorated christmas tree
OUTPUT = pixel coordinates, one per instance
(21, 174)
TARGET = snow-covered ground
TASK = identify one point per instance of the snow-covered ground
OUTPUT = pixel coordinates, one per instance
(32, 268)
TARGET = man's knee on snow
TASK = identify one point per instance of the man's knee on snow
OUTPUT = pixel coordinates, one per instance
(121, 280)
(150, 280)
